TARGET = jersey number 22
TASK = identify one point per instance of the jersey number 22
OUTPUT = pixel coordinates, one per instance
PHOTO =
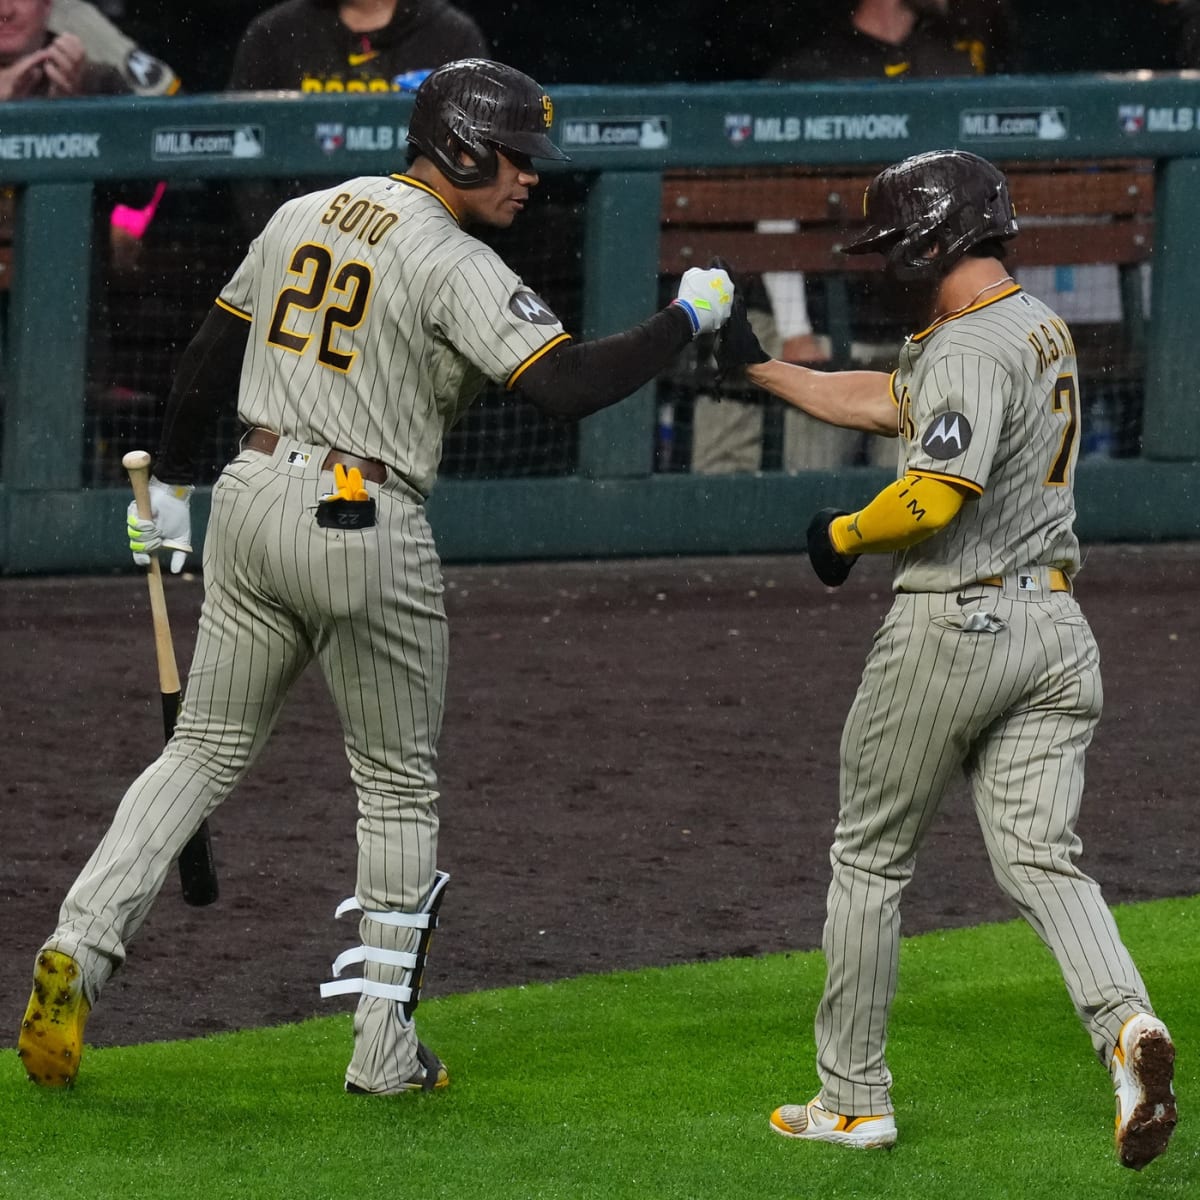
(351, 286)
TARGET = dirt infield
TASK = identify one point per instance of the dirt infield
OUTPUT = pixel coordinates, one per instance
(638, 767)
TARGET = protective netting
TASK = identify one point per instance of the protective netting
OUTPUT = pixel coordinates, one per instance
(1090, 265)
(148, 300)
(1086, 234)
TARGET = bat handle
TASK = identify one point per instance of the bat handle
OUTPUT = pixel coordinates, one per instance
(137, 463)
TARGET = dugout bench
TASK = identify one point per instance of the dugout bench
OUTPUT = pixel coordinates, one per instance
(798, 219)
(1070, 212)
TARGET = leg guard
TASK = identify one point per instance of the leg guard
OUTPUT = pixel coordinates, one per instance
(407, 994)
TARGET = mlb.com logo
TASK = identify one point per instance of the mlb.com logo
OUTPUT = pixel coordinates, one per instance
(739, 127)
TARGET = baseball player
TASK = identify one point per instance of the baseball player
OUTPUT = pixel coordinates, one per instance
(359, 327)
(985, 663)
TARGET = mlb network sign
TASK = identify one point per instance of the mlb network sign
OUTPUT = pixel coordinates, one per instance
(820, 127)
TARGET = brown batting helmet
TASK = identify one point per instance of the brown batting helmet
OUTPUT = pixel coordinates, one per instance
(478, 107)
(944, 202)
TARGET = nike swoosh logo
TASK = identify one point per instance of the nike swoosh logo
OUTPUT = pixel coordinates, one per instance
(961, 599)
(357, 60)
(891, 70)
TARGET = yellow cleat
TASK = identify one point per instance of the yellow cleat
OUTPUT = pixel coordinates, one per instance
(50, 1044)
(811, 1122)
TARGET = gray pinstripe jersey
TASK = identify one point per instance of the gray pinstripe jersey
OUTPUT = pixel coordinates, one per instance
(990, 399)
(376, 320)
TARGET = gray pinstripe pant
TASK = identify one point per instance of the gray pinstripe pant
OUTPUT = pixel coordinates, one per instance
(279, 592)
(1015, 709)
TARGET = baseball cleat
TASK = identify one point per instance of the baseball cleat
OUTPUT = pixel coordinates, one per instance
(50, 1044)
(816, 1124)
(432, 1076)
(1143, 1065)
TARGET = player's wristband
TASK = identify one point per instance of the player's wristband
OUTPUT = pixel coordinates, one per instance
(692, 315)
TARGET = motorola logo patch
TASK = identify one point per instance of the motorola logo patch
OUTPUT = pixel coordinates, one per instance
(947, 437)
(532, 308)
(148, 71)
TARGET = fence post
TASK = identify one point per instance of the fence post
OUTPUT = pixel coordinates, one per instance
(1171, 417)
(620, 289)
(47, 337)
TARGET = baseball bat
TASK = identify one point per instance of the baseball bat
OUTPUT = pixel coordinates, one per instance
(197, 871)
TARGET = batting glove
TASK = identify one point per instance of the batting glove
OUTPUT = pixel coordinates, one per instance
(831, 567)
(706, 295)
(737, 345)
(170, 529)
(347, 485)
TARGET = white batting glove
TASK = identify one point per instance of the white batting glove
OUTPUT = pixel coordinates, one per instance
(171, 528)
(706, 295)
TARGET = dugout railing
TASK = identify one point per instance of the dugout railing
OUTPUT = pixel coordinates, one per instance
(609, 248)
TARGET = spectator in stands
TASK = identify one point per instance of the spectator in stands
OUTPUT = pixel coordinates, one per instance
(862, 39)
(343, 46)
(894, 39)
(107, 46)
(36, 62)
(51, 48)
(351, 45)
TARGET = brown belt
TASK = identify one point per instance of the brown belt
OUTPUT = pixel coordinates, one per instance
(1059, 581)
(265, 442)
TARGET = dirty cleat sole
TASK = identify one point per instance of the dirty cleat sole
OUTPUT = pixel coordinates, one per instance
(50, 1044)
(810, 1122)
(1143, 1067)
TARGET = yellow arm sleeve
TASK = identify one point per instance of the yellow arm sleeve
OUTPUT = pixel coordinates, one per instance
(908, 511)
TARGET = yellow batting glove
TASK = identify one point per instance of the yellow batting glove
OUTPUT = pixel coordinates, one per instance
(354, 485)
(339, 483)
(347, 485)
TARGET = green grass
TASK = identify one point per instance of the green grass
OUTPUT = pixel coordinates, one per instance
(649, 1084)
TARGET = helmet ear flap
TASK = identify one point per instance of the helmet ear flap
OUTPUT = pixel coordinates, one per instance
(917, 254)
(482, 167)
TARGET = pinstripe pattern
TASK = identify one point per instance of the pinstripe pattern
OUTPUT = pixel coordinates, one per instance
(983, 365)
(438, 324)
(281, 591)
(1002, 684)
(380, 344)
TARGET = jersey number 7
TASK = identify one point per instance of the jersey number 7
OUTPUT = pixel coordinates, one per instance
(1065, 399)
